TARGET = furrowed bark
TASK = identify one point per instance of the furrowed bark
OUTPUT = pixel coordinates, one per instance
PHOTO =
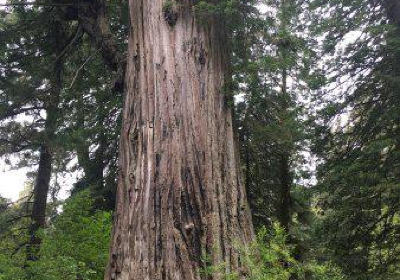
(181, 203)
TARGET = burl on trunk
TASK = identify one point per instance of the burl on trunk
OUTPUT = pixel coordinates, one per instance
(181, 202)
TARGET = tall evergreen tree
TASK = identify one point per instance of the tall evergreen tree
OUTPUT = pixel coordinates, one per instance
(358, 139)
(275, 78)
(37, 102)
(180, 199)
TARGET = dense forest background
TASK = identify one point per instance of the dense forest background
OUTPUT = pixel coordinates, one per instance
(315, 90)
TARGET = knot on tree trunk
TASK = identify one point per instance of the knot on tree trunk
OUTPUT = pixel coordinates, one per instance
(189, 228)
(170, 12)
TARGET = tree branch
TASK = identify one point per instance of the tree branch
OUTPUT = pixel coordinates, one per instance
(80, 68)
(78, 34)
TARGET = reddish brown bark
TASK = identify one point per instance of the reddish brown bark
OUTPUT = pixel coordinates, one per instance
(180, 196)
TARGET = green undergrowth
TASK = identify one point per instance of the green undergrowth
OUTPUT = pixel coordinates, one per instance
(270, 257)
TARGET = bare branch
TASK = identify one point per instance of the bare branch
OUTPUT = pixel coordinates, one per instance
(80, 68)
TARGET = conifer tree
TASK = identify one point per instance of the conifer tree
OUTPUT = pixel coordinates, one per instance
(181, 203)
(358, 138)
(275, 79)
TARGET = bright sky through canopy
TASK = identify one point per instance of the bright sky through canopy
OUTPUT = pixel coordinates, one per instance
(11, 182)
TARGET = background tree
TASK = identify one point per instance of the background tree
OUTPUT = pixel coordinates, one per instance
(37, 102)
(275, 75)
(358, 139)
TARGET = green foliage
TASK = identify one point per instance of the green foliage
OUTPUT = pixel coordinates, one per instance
(11, 260)
(10, 267)
(74, 247)
(272, 62)
(85, 112)
(269, 257)
(228, 10)
(357, 137)
(205, 8)
(77, 243)
(168, 5)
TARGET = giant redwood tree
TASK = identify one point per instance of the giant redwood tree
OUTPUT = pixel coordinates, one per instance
(181, 203)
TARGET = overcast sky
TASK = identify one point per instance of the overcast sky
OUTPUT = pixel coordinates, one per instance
(11, 182)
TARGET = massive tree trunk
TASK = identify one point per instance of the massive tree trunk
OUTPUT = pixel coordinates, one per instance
(181, 203)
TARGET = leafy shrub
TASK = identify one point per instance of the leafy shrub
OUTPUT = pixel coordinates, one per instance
(270, 257)
(74, 246)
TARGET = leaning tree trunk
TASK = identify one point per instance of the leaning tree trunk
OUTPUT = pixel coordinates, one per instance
(181, 203)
